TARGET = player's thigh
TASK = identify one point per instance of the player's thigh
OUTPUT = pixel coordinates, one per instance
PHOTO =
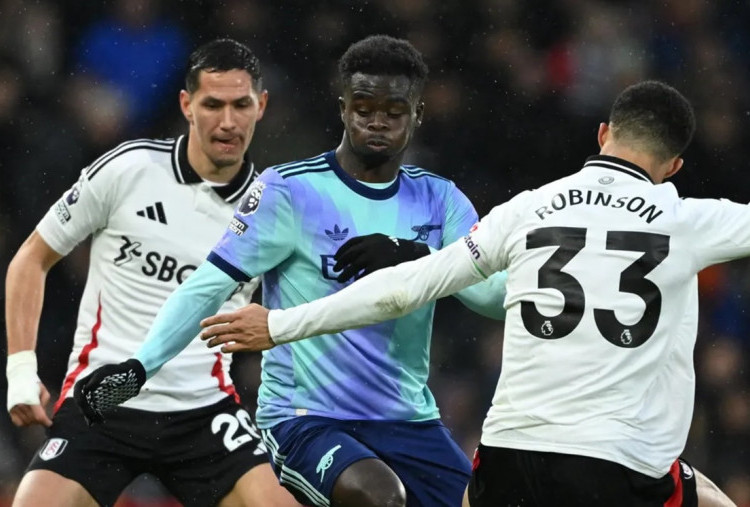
(431, 465)
(309, 453)
(102, 459)
(709, 494)
(259, 488)
(44, 487)
(206, 451)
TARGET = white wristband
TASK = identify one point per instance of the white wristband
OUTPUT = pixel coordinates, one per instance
(23, 382)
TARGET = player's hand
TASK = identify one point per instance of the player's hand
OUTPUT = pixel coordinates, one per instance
(108, 386)
(362, 255)
(26, 414)
(245, 329)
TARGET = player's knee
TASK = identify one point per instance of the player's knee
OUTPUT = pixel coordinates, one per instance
(393, 495)
(369, 483)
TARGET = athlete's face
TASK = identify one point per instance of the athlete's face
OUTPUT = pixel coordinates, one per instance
(380, 114)
(222, 114)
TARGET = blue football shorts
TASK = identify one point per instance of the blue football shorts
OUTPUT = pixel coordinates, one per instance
(308, 453)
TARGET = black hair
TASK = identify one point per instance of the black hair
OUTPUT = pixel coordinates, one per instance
(382, 55)
(221, 55)
(655, 116)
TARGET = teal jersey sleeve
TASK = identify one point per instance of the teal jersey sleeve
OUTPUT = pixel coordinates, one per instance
(485, 298)
(460, 215)
(262, 233)
(178, 320)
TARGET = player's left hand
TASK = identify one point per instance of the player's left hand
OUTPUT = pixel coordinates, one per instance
(362, 255)
(108, 386)
(245, 330)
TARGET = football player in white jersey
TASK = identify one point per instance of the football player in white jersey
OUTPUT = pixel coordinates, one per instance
(595, 397)
(154, 209)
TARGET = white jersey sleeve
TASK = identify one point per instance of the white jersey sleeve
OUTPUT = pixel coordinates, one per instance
(721, 228)
(81, 211)
(488, 242)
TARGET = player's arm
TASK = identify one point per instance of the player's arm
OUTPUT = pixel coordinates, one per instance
(24, 296)
(80, 211)
(383, 295)
(720, 229)
(175, 326)
(487, 297)
(386, 294)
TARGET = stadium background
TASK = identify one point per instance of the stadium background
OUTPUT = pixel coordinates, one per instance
(516, 93)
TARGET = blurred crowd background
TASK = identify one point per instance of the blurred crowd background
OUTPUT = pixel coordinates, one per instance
(516, 93)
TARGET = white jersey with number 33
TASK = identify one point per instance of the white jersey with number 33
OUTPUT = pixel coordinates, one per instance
(602, 312)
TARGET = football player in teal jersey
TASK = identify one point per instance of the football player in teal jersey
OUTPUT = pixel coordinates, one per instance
(348, 418)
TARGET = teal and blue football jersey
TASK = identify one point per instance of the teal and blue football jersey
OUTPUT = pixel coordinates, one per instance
(287, 228)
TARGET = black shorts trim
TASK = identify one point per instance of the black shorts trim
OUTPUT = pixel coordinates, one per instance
(513, 477)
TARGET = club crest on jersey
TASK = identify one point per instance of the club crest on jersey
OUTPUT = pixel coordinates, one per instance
(53, 448)
(251, 199)
(423, 231)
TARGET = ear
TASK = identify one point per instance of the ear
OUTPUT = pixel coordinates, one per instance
(185, 106)
(675, 166)
(342, 108)
(603, 134)
(262, 103)
(419, 113)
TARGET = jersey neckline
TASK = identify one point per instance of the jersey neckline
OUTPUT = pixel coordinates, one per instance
(379, 194)
(185, 174)
(618, 164)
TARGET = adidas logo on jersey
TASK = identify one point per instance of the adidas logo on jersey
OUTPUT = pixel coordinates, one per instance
(337, 234)
(155, 212)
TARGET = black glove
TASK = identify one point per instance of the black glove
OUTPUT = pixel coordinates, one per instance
(362, 255)
(108, 386)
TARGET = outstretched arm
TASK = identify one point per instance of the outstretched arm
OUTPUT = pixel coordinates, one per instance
(385, 294)
(174, 328)
(178, 320)
(487, 298)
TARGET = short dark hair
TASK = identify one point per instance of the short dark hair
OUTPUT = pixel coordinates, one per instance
(221, 55)
(655, 117)
(382, 55)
